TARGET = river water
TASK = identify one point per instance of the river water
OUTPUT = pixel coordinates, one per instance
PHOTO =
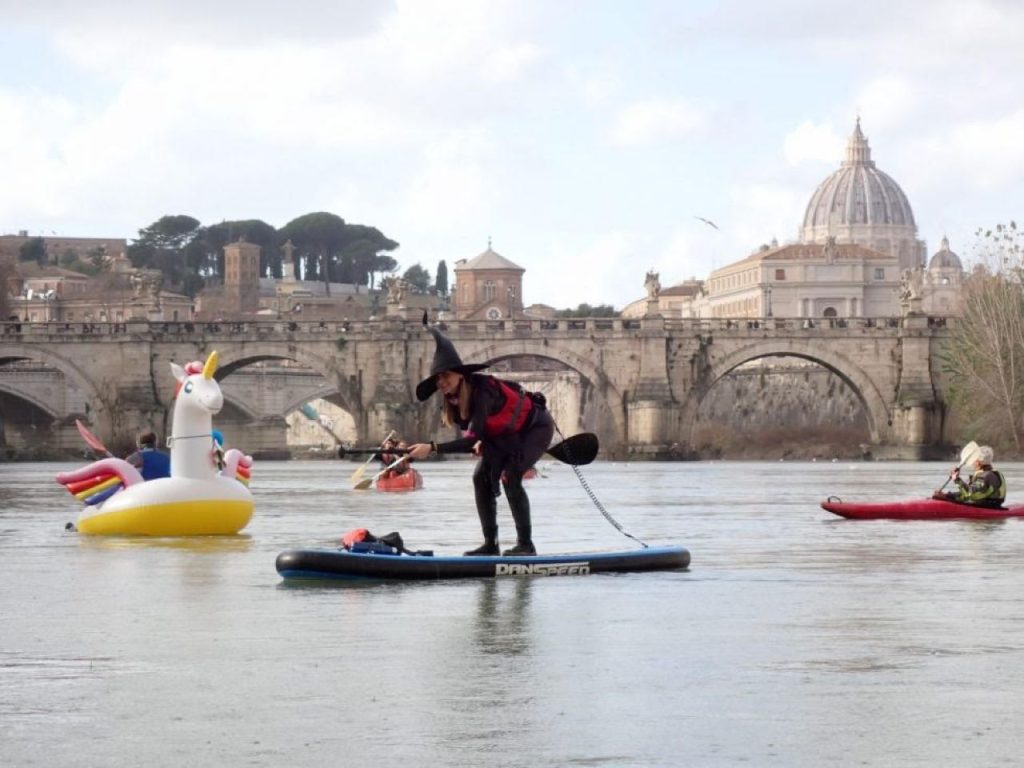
(794, 639)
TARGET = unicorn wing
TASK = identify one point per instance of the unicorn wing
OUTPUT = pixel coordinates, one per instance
(100, 480)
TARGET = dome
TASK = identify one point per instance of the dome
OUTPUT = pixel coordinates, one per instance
(857, 194)
(945, 258)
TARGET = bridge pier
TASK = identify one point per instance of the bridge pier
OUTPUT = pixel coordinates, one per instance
(654, 426)
(653, 417)
(264, 438)
(916, 423)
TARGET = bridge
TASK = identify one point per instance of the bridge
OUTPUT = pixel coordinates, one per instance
(641, 381)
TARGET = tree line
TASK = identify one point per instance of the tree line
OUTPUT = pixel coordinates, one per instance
(191, 255)
(985, 355)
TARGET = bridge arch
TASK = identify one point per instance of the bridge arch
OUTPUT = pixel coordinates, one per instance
(878, 415)
(324, 366)
(553, 349)
(78, 377)
(32, 400)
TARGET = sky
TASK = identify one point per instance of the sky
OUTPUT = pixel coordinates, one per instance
(582, 139)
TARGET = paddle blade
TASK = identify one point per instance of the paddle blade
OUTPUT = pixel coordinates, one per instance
(363, 484)
(579, 449)
(90, 438)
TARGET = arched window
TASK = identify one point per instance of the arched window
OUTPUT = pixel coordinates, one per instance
(830, 312)
(489, 290)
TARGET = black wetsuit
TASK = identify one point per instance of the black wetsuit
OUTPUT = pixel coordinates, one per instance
(506, 454)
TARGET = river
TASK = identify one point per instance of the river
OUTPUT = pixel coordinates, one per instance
(795, 638)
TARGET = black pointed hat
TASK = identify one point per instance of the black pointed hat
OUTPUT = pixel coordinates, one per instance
(445, 359)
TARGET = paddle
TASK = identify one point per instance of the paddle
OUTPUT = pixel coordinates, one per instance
(579, 450)
(968, 455)
(310, 413)
(362, 485)
(91, 439)
(356, 476)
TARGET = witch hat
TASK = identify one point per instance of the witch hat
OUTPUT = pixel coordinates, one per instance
(445, 359)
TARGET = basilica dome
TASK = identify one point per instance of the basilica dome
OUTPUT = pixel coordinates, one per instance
(858, 193)
(944, 258)
(860, 204)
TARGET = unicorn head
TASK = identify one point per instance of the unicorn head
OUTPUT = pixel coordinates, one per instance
(197, 398)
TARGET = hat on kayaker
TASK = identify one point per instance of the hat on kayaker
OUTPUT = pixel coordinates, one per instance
(445, 359)
(985, 455)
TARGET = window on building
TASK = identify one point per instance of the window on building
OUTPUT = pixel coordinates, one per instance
(879, 273)
(830, 312)
(780, 274)
(489, 290)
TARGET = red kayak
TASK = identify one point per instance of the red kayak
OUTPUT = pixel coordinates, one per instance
(407, 481)
(920, 509)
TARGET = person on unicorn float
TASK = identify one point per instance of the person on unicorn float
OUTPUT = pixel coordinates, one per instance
(506, 426)
(218, 449)
(150, 462)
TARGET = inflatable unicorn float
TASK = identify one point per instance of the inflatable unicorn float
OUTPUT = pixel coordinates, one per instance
(196, 499)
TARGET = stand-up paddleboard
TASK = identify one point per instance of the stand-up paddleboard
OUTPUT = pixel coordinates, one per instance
(343, 564)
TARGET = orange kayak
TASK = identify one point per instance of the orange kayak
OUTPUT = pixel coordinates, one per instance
(407, 481)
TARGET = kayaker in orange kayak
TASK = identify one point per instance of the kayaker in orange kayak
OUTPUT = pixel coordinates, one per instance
(387, 458)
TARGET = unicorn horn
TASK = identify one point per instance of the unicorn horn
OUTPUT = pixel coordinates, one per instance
(211, 365)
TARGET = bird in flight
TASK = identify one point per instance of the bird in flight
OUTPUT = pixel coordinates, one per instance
(706, 221)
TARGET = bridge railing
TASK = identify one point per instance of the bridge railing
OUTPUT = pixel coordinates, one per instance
(250, 329)
(788, 324)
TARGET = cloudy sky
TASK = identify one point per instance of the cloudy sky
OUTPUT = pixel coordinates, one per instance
(583, 138)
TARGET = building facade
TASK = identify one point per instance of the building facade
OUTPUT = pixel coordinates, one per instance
(488, 287)
(858, 255)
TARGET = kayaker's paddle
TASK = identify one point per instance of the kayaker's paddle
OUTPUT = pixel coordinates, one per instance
(310, 413)
(578, 450)
(362, 485)
(91, 439)
(356, 476)
(968, 455)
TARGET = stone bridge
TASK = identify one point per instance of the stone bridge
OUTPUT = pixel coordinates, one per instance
(642, 381)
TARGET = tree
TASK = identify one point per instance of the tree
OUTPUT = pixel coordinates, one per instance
(585, 310)
(985, 353)
(33, 249)
(216, 236)
(335, 251)
(418, 278)
(173, 245)
(316, 237)
(365, 248)
(441, 283)
(7, 271)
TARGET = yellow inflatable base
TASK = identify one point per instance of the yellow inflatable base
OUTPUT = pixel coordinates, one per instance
(180, 518)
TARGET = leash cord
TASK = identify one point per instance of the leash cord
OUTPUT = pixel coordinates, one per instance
(593, 496)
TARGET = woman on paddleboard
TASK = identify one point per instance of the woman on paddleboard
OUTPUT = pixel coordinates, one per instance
(506, 426)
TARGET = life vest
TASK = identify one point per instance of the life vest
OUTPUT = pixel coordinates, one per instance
(513, 414)
(155, 464)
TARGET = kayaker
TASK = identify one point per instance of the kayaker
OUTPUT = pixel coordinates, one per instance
(506, 426)
(387, 458)
(150, 462)
(986, 487)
